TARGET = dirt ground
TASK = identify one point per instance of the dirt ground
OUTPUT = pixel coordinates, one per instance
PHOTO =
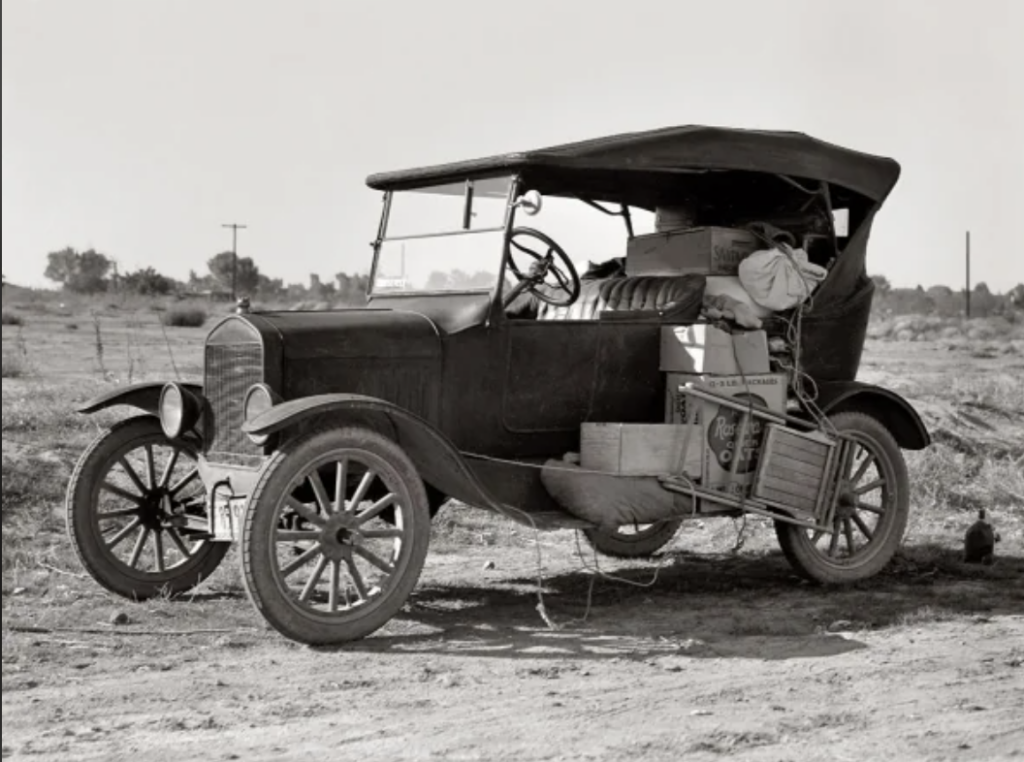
(727, 656)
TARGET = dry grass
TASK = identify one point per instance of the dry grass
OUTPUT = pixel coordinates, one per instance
(13, 366)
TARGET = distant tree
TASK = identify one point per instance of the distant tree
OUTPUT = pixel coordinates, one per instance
(148, 282)
(81, 272)
(983, 302)
(1016, 296)
(947, 302)
(911, 301)
(270, 288)
(344, 281)
(201, 283)
(316, 288)
(248, 274)
(438, 281)
(882, 285)
(352, 288)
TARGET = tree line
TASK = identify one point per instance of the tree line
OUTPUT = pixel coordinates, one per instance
(91, 272)
(943, 301)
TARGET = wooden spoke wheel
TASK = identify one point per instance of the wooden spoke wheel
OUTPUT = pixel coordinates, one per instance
(335, 535)
(871, 515)
(128, 505)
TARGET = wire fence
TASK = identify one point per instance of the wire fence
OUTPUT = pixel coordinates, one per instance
(115, 349)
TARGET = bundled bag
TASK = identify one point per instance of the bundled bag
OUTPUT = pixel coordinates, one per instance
(781, 277)
(609, 500)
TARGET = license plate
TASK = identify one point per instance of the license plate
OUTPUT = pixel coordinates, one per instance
(226, 518)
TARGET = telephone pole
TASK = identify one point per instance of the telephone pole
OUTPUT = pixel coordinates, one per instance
(234, 257)
(967, 292)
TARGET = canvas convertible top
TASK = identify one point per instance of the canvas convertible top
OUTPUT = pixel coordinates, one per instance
(679, 149)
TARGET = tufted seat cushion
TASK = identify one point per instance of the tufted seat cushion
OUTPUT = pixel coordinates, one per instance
(678, 293)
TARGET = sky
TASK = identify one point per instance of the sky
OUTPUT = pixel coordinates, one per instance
(140, 127)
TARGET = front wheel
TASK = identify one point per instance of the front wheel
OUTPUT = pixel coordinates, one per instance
(127, 507)
(871, 515)
(335, 535)
(634, 542)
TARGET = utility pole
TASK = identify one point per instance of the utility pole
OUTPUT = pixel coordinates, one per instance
(234, 257)
(967, 293)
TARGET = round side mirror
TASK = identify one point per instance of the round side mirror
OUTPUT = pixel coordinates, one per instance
(530, 202)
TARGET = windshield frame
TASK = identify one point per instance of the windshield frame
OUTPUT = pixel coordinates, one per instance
(515, 184)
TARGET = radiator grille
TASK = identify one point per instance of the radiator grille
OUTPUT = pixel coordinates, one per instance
(230, 371)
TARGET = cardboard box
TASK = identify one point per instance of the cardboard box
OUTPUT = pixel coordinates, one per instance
(704, 250)
(719, 425)
(703, 348)
(641, 449)
(676, 402)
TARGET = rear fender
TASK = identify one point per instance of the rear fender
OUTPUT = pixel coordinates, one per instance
(898, 415)
(437, 459)
(144, 396)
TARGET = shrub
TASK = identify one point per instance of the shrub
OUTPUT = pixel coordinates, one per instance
(10, 318)
(184, 317)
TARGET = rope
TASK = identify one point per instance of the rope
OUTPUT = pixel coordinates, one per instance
(595, 570)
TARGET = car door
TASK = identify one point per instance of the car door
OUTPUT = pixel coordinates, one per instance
(629, 386)
(549, 375)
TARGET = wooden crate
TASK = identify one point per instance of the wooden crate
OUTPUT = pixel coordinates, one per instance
(641, 449)
(793, 469)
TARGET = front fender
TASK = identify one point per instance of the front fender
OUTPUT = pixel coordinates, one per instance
(896, 413)
(144, 396)
(438, 460)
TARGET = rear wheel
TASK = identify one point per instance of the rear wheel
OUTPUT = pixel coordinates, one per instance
(872, 512)
(127, 506)
(335, 535)
(637, 541)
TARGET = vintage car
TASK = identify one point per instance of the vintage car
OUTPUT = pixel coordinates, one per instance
(325, 442)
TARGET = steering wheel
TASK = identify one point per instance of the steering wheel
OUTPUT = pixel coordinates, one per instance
(539, 270)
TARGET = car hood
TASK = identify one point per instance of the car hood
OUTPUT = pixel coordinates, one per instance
(353, 334)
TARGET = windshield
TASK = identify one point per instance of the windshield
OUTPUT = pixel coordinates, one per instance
(444, 238)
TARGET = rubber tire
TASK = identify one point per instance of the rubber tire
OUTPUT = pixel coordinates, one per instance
(80, 503)
(260, 524)
(810, 563)
(645, 545)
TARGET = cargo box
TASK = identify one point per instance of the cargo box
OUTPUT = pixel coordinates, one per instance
(719, 425)
(703, 348)
(704, 250)
(641, 449)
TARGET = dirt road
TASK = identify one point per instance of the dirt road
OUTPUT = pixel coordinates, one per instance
(726, 657)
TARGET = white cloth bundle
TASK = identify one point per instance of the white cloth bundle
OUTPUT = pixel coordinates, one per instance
(780, 278)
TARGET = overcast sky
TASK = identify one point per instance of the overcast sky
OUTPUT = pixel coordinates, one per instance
(138, 127)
